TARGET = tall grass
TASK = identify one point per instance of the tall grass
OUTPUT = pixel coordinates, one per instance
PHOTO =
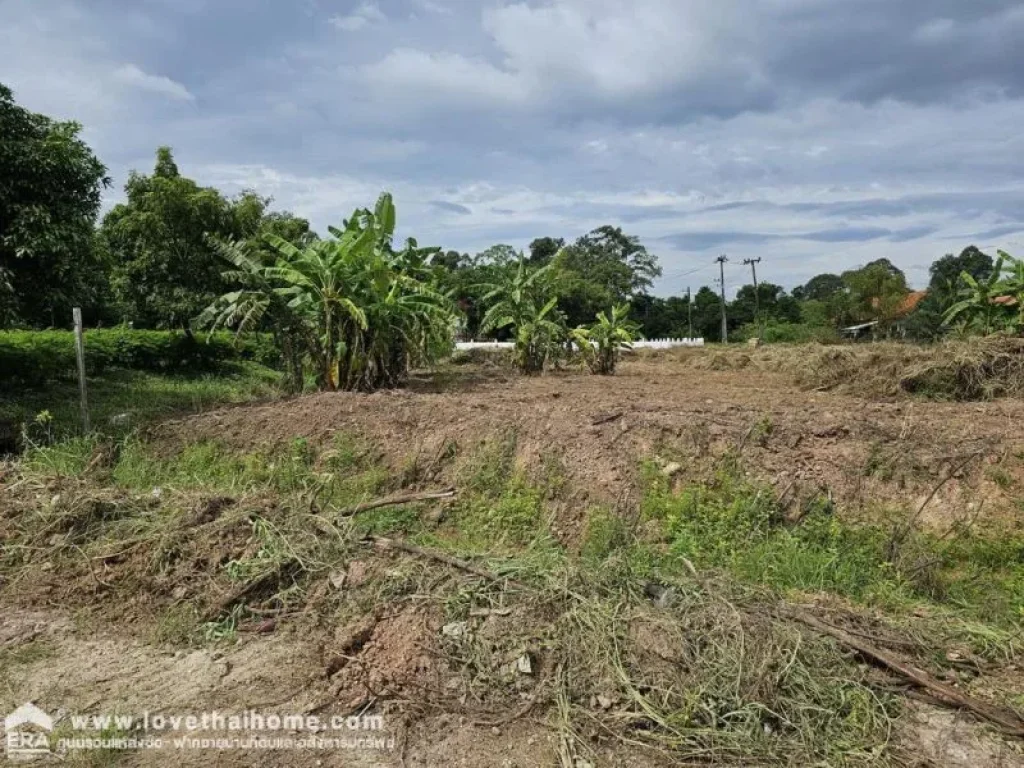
(120, 400)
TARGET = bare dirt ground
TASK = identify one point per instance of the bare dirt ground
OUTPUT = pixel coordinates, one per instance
(68, 667)
(871, 457)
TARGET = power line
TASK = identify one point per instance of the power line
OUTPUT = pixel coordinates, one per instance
(678, 273)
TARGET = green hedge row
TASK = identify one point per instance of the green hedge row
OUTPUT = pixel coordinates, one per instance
(28, 357)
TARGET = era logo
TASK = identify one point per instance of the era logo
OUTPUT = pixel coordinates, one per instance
(22, 743)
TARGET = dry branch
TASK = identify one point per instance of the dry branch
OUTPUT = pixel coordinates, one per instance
(404, 546)
(393, 501)
(245, 590)
(902, 531)
(1006, 720)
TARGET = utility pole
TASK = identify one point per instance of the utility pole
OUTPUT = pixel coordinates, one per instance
(757, 297)
(721, 270)
(689, 312)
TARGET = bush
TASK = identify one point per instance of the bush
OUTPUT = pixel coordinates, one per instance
(789, 333)
(33, 357)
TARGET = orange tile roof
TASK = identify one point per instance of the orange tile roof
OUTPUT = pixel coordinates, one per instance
(910, 302)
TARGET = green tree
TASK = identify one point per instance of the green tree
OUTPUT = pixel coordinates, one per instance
(774, 302)
(544, 249)
(501, 255)
(50, 189)
(977, 308)
(820, 288)
(1013, 285)
(159, 242)
(601, 343)
(603, 268)
(947, 270)
(707, 314)
(876, 290)
(660, 318)
(926, 322)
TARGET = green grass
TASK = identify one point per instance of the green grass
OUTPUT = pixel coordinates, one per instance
(733, 524)
(144, 396)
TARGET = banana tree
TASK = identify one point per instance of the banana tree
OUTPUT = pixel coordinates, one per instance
(258, 303)
(363, 312)
(524, 300)
(1013, 284)
(977, 306)
(601, 343)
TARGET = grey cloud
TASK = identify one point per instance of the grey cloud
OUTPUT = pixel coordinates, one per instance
(443, 205)
(702, 241)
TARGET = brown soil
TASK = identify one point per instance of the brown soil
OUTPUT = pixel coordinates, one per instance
(873, 458)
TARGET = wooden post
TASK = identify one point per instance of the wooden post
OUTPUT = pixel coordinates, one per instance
(80, 354)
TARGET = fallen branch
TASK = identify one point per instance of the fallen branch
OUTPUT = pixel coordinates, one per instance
(1008, 721)
(247, 589)
(605, 419)
(393, 501)
(462, 565)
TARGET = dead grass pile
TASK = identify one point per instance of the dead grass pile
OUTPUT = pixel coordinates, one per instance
(960, 370)
(702, 673)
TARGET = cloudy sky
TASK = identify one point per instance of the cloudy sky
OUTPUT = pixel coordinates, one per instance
(815, 134)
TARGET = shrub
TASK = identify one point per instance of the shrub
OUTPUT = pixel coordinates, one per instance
(33, 357)
(789, 333)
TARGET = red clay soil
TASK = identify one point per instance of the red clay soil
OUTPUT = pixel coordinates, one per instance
(872, 457)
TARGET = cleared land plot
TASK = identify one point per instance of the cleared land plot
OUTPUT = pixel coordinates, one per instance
(632, 571)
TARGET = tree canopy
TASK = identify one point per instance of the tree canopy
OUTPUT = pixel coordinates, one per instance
(601, 269)
(164, 266)
(50, 188)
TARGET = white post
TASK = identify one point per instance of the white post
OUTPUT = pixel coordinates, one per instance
(80, 354)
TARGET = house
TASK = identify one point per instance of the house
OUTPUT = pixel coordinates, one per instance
(907, 305)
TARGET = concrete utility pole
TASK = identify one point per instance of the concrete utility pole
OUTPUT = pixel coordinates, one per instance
(757, 297)
(721, 270)
(689, 312)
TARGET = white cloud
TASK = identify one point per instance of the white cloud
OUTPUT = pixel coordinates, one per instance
(570, 52)
(433, 7)
(367, 12)
(618, 48)
(434, 76)
(131, 75)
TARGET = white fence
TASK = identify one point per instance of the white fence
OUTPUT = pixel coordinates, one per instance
(645, 344)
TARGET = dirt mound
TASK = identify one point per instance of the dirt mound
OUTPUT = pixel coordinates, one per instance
(595, 432)
(381, 658)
